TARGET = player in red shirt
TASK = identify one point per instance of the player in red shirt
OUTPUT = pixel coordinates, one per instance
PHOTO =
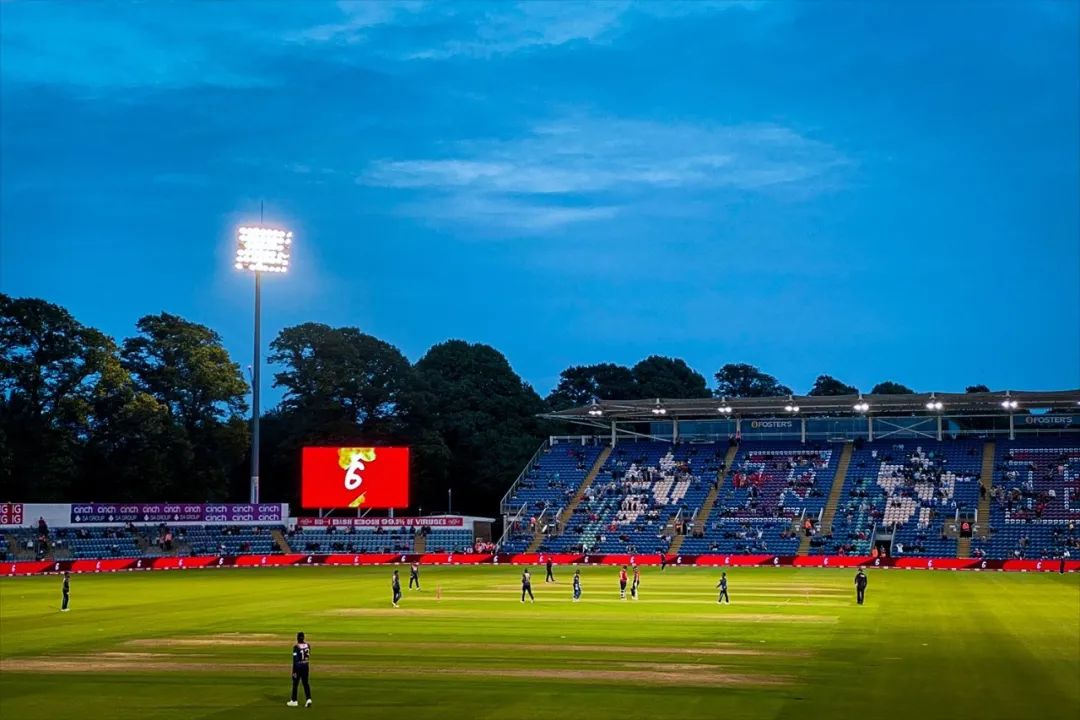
(622, 583)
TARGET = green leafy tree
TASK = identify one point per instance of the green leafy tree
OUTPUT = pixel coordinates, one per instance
(341, 377)
(828, 385)
(739, 380)
(184, 367)
(663, 377)
(891, 388)
(977, 389)
(486, 417)
(581, 384)
(53, 373)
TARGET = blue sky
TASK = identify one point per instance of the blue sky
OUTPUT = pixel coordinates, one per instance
(873, 190)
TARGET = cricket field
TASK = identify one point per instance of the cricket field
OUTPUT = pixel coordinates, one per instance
(792, 643)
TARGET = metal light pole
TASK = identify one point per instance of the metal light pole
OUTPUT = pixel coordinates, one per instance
(260, 249)
(256, 376)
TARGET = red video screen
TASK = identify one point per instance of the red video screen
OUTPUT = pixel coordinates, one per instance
(355, 477)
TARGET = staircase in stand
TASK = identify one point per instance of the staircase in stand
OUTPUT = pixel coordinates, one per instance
(982, 525)
(834, 499)
(419, 543)
(710, 499)
(280, 541)
(568, 511)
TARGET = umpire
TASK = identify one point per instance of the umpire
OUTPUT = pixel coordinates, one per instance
(860, 586)
(66, 589)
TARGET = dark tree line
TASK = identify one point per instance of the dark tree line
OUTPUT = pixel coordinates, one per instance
(162, 415)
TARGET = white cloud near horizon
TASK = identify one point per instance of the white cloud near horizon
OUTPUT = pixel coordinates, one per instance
(589, 169)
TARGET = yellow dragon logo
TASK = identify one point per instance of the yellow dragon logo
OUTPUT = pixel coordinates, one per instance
(352, 461)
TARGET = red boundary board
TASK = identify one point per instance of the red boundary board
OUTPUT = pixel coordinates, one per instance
(46, 567)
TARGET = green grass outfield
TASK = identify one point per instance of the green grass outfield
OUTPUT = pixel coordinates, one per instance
(793, 643)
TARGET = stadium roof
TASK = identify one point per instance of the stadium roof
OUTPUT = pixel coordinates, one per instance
(661, 409)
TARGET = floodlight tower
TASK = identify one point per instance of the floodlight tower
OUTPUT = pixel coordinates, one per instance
(258, 250)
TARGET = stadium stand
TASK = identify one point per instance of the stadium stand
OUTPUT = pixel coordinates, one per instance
(1035, 503)
(770, 487)
(547, 486)
(639, 490)
(912, 486)
(352, 540)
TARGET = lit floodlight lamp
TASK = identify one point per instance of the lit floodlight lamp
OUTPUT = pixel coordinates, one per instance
(659, 409)
(792, 408)
(1010, 404)
(725, 409)
(595, 410)
(862, 406)
(263, 249)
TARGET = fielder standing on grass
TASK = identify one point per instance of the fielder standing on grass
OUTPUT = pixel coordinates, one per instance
(414, 575)
(395, 585)
(723, 589)
(622, 583)
(577, 585)
(550, 577)
(634, 584)
(66, 589)
(526, 585)
(301, 654)
(860, 586)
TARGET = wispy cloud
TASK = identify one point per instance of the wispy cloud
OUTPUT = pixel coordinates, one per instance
(562, 171)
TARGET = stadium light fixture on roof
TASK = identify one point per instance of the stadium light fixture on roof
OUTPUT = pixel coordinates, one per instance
(934, 404)
(263, 249)
(659, 409)
(862, 406)
(792, 408)
(1008, 403)
(595, 410)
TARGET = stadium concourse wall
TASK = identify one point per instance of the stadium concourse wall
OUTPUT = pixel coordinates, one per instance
(47, 567)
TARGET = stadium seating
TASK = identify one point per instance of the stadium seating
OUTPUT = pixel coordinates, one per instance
(352, 540)
(641, 486)
(1035, 507)
(226, 540)
(450, 541)
(914, 486)
(547, 487)
(769, 486)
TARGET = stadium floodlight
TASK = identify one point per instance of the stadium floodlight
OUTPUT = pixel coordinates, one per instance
(1010, 404)
(725, 409)
(263, 249)
(595, 410)
(659, 409)
(260, 249)
(935, 405)
(862, 406)
(792, 408)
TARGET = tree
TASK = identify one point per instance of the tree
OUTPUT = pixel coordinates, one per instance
(891, 388)
(828, 385)
(737, 380)
(977, 389)
(341, 375)
(53, 372)
(662, 377)
(485, 416)
(185, 368)
(581, 384)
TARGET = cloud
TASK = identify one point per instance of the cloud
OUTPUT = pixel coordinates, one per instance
(239, 43)
(606, 164)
